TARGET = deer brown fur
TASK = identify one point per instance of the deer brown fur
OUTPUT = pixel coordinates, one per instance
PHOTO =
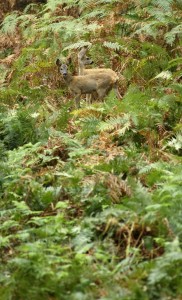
(83, 60)
(86, 84)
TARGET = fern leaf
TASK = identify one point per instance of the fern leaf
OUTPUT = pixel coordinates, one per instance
(52, 4)
(9, 24)
(164, 4)
(171, 36)
(126, 127)
(164, 75)
(116, 123)
(95, 13)
(110, 124)
(112, 46)
(175, 62)
(176, 142)
(77, 45)
(148, 29)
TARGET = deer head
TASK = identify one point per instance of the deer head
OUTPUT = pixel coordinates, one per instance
(63, 67)
(83, 60)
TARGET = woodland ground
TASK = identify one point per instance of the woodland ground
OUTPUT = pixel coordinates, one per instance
(91, 198)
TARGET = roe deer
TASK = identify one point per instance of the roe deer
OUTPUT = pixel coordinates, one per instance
(86, 84)
(84, 60)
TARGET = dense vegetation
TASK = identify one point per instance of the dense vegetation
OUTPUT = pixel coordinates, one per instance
(91, 199)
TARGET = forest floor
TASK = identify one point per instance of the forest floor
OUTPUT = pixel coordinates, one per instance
(91, 198)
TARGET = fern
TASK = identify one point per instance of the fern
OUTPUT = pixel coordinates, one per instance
(26, 24)
(9, 24)
(177, 87)
(166, 5)
(88, 127)
(175, 62)
(52, 4)
(176, 143)
(112, 46)
(71, 28)
(160, 167)
(19, 129)
(115, 123)
(116, 47)
(164, 270)
(171, 36)
(149, 29)
(99, 13)
(100, 184)
(77, 45)
(88, 4)
(107, 1)
(164, 75)
(159, 15)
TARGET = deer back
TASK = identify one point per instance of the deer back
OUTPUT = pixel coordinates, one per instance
(84, 60)
(105, 71)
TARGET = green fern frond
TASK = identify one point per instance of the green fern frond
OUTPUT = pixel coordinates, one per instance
(77, 45)
(70, 28)
(107, 1)
(175, 62)
(171, 35)
(66, 138)
(26, 21)
(88, 4)
(164, 75)
(125, 128)
(19, 128)
(115, 123)
(9, 24)
(166, 5)
(116, 47)
(176, 143)
(88, 127)
(112, 46)
(52, 4)
(88, 111)
(110, 124)
(99, 13)
(159, 15)
(150, 29)
(159, 166)
(177, 87)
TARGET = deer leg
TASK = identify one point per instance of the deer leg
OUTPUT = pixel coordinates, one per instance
(101, 93)
(118, 95)
(89, 98)
(77, 101)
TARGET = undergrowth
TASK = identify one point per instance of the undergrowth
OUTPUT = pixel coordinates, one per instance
(91, 199)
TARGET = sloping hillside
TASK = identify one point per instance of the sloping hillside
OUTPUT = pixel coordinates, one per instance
(91, 197)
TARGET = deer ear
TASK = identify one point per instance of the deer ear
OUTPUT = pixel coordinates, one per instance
(58, 62)
(86, 48)
(69, 60)
(83, 51)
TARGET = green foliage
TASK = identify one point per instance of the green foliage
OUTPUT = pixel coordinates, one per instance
(77, 45)
(18, 128)
(9, 24)
(173, 34)
(166, 272)
(91, 198)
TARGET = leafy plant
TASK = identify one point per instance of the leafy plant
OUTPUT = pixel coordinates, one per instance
(91, 198)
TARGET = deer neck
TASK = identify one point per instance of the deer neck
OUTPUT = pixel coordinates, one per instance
(81, 68)
(68, 78)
